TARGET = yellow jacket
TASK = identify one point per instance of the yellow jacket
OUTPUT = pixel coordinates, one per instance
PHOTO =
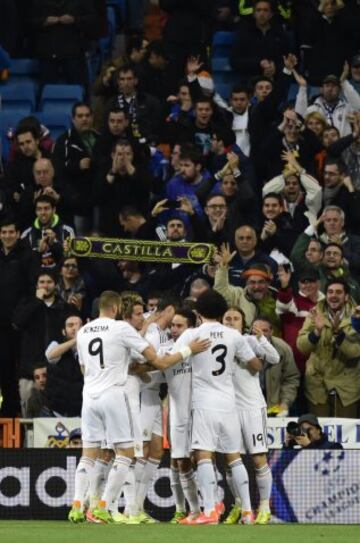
(334, 360)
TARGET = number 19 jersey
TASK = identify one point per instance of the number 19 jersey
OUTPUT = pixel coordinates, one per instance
(104, 346)
(212, 382)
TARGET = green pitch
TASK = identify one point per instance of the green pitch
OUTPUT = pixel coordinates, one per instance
(64, 532)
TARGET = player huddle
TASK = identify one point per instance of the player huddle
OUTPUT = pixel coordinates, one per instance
(215, 405)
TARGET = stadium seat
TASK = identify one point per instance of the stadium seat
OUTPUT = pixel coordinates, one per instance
(120, 5)
(59, 97)
(222, 43)
(106, 44)
(57, 122)
(293, 90)
(8, 122)
(23, 67)
(224, 89)
(314, 92)
(18, 96)
(220, 64)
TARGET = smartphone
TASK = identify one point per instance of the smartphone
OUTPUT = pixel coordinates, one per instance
(173, 204)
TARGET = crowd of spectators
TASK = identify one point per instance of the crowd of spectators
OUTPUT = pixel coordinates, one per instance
(156, 153)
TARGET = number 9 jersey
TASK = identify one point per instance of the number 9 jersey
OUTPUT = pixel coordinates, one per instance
(104, 346)
(212, 381)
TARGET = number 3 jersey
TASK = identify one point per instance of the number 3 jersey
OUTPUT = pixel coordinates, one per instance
(212, 370)
(104, 346)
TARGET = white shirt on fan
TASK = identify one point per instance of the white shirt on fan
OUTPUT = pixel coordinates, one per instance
(212, 370)
(104, 346)
(248, 393)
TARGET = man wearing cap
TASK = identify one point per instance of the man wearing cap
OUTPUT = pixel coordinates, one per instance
(312, 436)
(332, 106)
(332, 375)
(257, 296)
(75, 439)
(293, 307)
(333, 266)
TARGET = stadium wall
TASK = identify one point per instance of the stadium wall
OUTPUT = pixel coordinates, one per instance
(309, 486)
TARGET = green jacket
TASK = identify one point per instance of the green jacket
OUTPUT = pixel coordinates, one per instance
(334, 360)
(284, 8)
(239, 297)
(282, 380)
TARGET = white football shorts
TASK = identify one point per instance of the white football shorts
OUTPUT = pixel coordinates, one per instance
(150, 414)
(253, 425)
(107, 417)
(214, 431)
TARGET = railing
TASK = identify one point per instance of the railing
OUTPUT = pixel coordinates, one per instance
(10, 433)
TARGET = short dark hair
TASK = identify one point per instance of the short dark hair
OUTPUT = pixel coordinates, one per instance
(49, 273)
(327, 128)
(130, 211)
(24, 129)
(30, 123)
(167, 300)
(8, 221)
(39, 364)
(258, 78)
(204, 99)
(122, 143)
(211, 196)
(339, 281)
(191, 152)
(263, 318)
(188, 315)
(175, 218)
(333, 244)
(331, 161)
(116, 109)
(68, 315)
(226, 135)
(270, 2)
(46, 199)
(274, 195)
(127, 68)
(240, 88)
(211, 305)
(77, 105)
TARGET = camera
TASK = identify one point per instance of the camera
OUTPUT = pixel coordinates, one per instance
(294, 429)
(173, 204)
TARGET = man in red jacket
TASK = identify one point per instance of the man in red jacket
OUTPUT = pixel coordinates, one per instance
(293, 307)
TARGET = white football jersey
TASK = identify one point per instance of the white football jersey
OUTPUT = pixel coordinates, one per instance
(104, 346)
(161, 341)
(178, 379)
(248, 393)
(212, 381)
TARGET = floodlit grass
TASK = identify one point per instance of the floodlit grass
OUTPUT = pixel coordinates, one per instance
(64, 532)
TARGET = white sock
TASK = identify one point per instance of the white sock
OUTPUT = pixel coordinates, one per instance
(189, 487)
(131, 508)
(82, 479)
(240, 480)
(139, 468)
(207, 482)
(264, 483)
(115, 482)
(148, 473)
(97, 481)
(177, 491)
(230, 484)
(218, 497)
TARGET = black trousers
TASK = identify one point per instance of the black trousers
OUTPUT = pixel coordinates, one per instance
(8, 372)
